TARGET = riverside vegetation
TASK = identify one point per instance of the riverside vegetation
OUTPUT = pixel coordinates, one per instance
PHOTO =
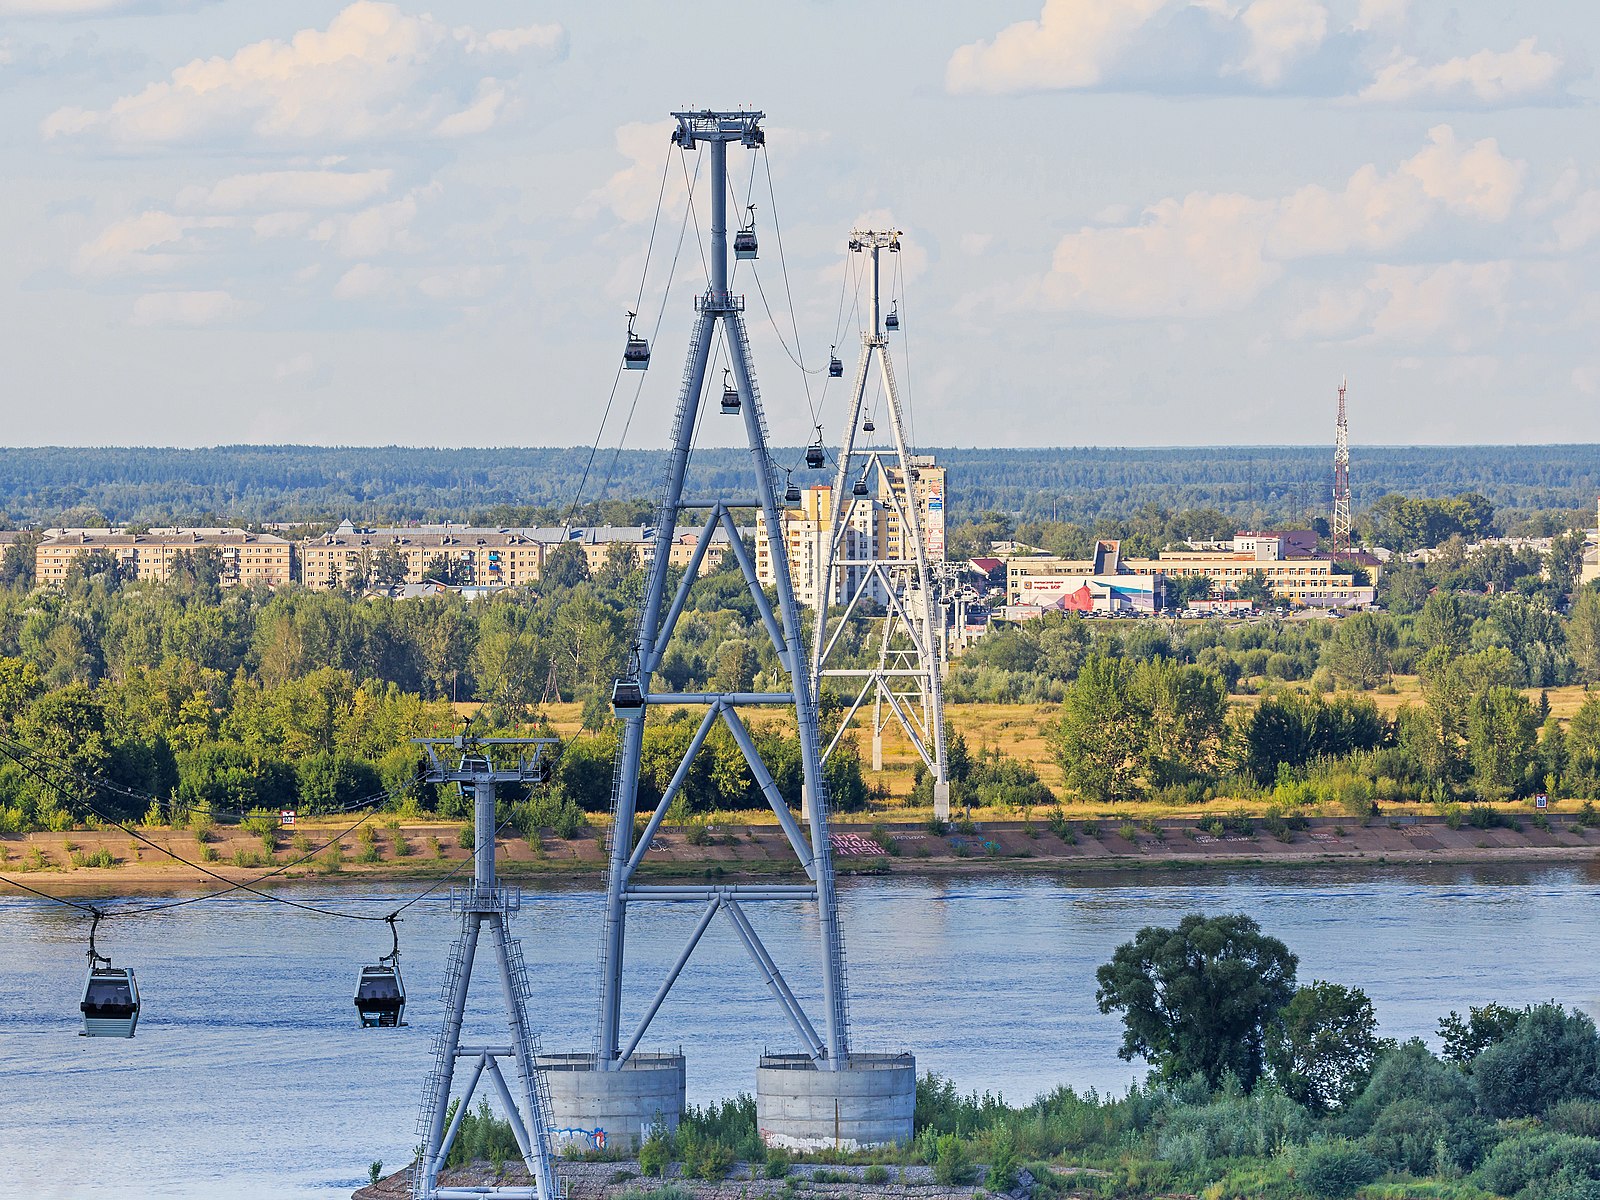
(243, 700)
(1261, 1088)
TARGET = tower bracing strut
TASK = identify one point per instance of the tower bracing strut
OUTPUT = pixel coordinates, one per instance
(719, 311)
(485, 903)
(905, 685)
(1340, 527)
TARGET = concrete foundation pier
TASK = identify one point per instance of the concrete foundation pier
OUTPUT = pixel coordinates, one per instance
(870, 1102)
(600, 1109)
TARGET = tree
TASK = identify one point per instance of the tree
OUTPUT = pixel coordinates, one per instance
(1466, 1038)
(1443, 624)
(1101, 734)
(566, 566)
(1552, 1055)
(1583, 633)
(1502, 737)
(1583, 748)
(1323, 1045)
(1254, 588)
(389, 568)
(1358, 653)
(1186, 718)
(1198, 999)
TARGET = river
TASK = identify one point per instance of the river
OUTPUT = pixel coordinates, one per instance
(249, 1078)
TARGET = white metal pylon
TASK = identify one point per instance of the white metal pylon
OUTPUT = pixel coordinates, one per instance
(905, 684)
(485, 903)
(632, 697)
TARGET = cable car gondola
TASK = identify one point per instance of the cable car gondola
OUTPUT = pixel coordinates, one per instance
(892, 321)
(380, 992)
(867, 426)
(730, 394)
(744, 241)
(791, 494)
(626, 694)
(636, 354)
(816, 457)
(835, 367)
(110, 1004)
(860, 488)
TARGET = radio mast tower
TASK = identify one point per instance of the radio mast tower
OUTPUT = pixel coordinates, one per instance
(1341, 479)
(905, 682)
(824, 1095)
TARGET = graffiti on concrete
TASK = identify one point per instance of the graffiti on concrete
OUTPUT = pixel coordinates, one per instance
(847, 844)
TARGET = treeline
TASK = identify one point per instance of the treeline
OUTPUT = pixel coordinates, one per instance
(1256, 486)
(244, 699)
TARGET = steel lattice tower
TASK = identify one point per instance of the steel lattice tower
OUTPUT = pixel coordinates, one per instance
(906, 680)
(485, 903)
(1341, 479)
(633, 698)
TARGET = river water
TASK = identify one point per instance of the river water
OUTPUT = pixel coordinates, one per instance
(249, 1079)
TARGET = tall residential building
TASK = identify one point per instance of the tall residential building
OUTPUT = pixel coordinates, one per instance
(246, 558)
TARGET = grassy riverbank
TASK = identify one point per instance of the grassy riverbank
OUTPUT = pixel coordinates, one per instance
(106, 861)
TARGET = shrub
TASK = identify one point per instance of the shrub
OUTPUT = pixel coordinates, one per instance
(777, 1165)
(937, 827)
(435, 848)
(1059, 825)
(951, 1166)
(369, 852)
(697, 833)
(375, 1171)
(1579, 1117)
(1129, 831)
(1525, 1159)
(654, 1155)
(876, 1174)
(1552, 1055)
(402, 847)
(1002, 1152)
(465, 838)
(1333, 1170)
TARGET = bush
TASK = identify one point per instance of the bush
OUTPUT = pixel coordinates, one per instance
(1526, 1159)
(655, 1155)
(876, 1174)
(777, 1165)
(1579, 1117)
(951, 1166)
(1333, 1170)
(1002, 1153)
(1059, 825)
(1552, 1055)
(465, 837)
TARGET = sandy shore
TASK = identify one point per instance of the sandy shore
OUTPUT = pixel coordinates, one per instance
(425, 852)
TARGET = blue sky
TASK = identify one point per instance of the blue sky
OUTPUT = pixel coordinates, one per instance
(1126, 221)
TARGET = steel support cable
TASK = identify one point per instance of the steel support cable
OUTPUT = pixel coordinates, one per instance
(232, 885)
(616, 379)
(661, 314)
(12, 747)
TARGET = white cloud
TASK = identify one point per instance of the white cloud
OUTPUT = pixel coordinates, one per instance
(188, 308)
(1458, 301)
(375, 73)
(1281, 32)
(630, 194)
(296, 367)
(90, 8)
(1580, 224)
(1071, 45)
(1520, 75)
(1207, 253)
(143, 244)
(271, 191)
(1250, 46)
(362, 282)
(381, 229)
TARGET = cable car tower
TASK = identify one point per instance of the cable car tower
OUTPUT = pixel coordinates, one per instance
(905, 683)
(485, 902)
(615, 1092)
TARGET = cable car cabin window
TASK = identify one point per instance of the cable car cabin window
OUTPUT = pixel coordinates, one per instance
(380, 997)
(625, 693)
(108, 998)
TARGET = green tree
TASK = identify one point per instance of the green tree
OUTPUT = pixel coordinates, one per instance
(566, 566)
(1323, 1045)
(1467, 1037)
(1583, 748)
(1101, 735)
(1186, 720)
(1444, 625)
(1552, 1055)
(1198, 999)
(1254, 588)
(1502, 740)
(1360, 650)
(1583, 633)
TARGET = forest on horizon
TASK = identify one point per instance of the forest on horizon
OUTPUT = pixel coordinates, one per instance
(1253, 485)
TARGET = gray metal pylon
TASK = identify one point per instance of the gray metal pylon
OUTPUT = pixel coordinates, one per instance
(907, 681)
(717, 307)
(485, 903)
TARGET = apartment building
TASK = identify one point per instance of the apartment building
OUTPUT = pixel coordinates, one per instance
(247, 559)
(480, 557)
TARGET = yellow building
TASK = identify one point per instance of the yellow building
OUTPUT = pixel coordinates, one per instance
(246, 558)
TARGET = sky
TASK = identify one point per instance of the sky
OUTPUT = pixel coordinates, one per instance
(1125, 222)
